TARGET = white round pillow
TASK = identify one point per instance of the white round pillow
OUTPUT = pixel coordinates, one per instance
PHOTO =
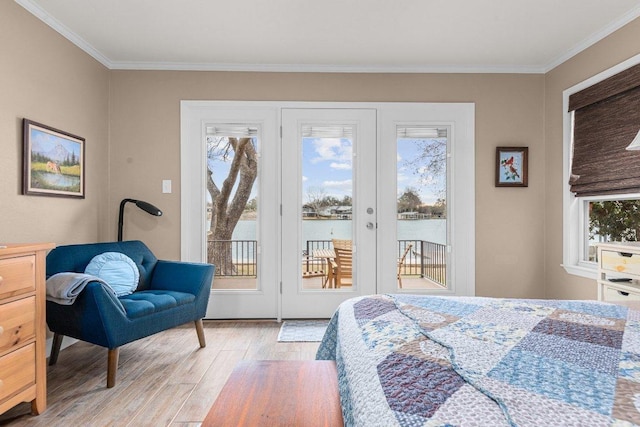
(117, 270)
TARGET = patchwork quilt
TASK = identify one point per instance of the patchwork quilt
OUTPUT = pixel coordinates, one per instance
(407, 360)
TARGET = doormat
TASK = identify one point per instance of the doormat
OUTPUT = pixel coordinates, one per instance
(302, 330)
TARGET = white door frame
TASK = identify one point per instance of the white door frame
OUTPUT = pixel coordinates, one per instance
(296, 301)
(459, 119)
(262, 302)
(193, 212)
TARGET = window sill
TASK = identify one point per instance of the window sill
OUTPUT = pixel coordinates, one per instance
(582, 271)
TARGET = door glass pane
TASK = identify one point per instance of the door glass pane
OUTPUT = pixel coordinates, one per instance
(232, 205)
(327, 194)
(422, 207)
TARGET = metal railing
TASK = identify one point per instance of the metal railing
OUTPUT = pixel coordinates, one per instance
(234, 258)
(425, 259)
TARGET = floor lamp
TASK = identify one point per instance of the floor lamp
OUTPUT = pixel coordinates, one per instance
(147, 207)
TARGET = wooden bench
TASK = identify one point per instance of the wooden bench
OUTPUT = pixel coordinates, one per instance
(279, 393)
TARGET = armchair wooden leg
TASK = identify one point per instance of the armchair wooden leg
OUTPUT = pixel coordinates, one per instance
(200, 332)
(112, 366)
(55, 348)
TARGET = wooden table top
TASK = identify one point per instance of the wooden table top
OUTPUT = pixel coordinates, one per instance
(323, 253)
(279, 393)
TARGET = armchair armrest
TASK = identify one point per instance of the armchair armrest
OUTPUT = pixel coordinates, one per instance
(181, 276)
(88, 318)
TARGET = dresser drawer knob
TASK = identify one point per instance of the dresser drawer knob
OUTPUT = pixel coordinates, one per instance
(625, 254)
(623, 293)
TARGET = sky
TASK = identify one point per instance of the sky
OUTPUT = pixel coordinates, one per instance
(327, 165)
(42, 142)
(327, 168)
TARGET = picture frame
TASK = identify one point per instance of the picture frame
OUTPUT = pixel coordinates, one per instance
(512, 166)
(53, 161)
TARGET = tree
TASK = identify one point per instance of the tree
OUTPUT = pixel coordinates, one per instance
(439, 208)
(431, 163)
(409, 200)
(227, 204)
(615, 220)
(316, 197)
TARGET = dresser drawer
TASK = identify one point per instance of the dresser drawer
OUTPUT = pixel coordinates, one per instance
(17, 323)
(621, 262)
(17, 370)
(614, 294)
(17, 275)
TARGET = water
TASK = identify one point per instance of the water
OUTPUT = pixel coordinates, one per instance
(58, 180)
(431, 230)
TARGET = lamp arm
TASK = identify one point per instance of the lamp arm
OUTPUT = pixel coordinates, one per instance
(121, 217)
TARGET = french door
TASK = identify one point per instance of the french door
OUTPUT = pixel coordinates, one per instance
(346, 200)
(328, 195)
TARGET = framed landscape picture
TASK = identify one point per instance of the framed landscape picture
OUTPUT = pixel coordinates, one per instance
(511, 166)
(53, 161)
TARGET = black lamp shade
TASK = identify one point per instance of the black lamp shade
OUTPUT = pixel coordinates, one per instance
(147, 207)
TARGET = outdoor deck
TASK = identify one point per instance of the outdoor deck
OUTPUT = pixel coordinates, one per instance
(243, 283)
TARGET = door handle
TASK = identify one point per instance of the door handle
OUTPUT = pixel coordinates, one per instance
(370, 225)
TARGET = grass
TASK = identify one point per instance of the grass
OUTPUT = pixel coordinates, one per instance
(64, 170)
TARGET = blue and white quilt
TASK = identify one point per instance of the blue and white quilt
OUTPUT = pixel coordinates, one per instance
(409, 360)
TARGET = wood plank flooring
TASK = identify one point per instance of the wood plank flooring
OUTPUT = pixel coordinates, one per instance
(163, 380)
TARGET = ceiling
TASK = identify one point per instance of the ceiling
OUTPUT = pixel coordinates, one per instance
(526, 36)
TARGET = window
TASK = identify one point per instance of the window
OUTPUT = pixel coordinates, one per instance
(602, 200)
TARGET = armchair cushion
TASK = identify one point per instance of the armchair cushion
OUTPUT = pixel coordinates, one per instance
(143, 303)
(117, 270)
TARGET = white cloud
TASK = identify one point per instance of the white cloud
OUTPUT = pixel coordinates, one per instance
(331, 149)
(340, 166)
(304, 178)
(345, 184)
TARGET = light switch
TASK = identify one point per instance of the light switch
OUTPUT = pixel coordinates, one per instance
(166, 186)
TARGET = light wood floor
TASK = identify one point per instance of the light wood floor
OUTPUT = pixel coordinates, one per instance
(163, 380)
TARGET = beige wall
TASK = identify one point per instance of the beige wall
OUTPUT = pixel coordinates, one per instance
(612, 50)
(131, 121)
(145, 148)
(45, 78)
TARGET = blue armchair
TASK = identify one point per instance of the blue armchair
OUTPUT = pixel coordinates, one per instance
(169, 294)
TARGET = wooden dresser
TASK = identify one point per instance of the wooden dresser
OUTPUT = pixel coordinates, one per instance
(23, 374)
(619, 271)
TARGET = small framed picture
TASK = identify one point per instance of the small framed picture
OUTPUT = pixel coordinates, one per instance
(511, 166)
(53, 163)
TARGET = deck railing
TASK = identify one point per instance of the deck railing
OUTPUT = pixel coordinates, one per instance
(425, 259)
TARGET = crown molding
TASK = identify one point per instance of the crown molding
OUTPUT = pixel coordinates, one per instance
(324, 68)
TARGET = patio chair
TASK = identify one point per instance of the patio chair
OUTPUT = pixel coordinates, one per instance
(341, 243)
(401, 263)
(343, 266)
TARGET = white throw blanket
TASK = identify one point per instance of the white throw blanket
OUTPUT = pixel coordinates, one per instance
(64, 288)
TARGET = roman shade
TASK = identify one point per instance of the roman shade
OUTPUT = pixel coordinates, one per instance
(606, 119)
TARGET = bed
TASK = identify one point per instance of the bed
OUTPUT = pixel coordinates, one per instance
(412, 360)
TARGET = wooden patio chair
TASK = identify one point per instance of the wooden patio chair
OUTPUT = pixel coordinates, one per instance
(341, 243)
(343, 266)
(401, 263)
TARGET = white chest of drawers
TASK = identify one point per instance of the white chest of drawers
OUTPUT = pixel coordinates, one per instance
(619, 271)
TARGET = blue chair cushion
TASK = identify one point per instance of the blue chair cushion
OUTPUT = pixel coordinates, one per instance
(117, 269)
(143, 303)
